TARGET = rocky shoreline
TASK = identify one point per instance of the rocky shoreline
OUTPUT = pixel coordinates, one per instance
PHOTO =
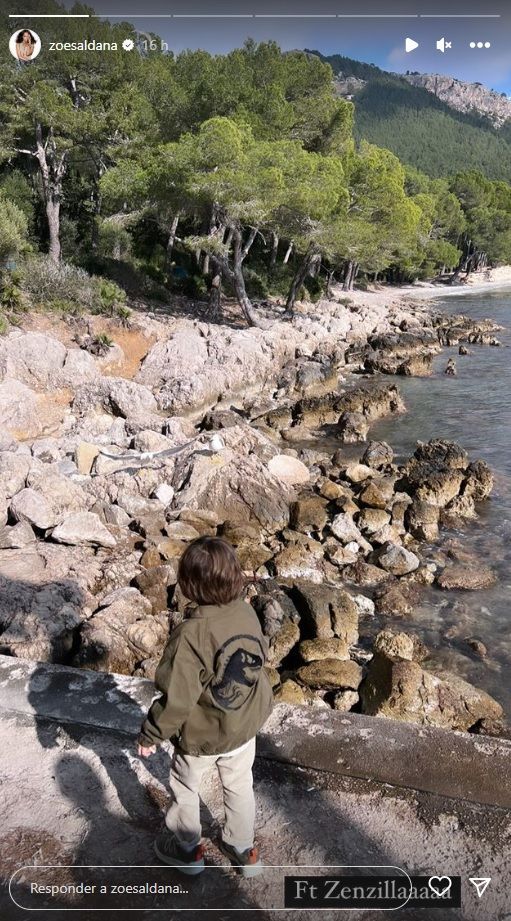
(110, 463)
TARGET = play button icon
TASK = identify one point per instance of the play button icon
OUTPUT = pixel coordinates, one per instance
(410, 44)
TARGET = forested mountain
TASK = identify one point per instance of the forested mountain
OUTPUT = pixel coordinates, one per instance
(417, 125)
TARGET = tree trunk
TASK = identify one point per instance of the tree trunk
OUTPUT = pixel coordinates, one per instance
(243, 298)
(288, 253)
(274, 249)
(235, 277)
(350, 275)
(52, 169)
(215, 297)
(171, 239)
(300, 275)
(329, 280)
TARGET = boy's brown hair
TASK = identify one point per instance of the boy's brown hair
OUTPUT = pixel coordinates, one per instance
(209, 572)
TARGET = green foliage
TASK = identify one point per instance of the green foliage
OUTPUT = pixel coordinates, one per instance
(13, 230)
(15, 187)
(11, 296)
(47, 282)
(109, 297)
(200, 161)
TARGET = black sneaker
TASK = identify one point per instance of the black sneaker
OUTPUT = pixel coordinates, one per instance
(169, 850)
(247, 862)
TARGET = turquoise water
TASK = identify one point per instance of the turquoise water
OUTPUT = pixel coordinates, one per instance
(473, 409)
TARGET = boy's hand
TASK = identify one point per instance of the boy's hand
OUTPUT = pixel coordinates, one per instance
(145, 750)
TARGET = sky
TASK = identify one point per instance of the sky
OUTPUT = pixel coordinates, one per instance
(368, 30)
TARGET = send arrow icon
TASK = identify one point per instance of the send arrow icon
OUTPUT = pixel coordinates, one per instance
(480, 883)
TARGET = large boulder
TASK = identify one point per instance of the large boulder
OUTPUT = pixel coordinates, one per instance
(38, 619)
(32, 506)
(117, 396)
(478, 482)
(344, 529)
(235, 487)
(314, 650)
(15, 538)
(62, 493)
(83, 528)
(300, 561)
(288, 470)
(378, 454)
(466, 577)
(421, 519)
(378, 493)
(352, 427)
(326, 612)
(14, 469)
(121, 633)
(19, 410)
(282, 643)
(31, 357)
(398, 688)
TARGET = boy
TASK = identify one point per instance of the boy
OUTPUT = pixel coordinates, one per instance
(216, 696)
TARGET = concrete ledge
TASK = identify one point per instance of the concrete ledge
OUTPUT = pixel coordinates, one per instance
(458, 765)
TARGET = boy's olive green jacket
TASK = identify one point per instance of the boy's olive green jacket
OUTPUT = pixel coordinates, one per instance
(215, 693)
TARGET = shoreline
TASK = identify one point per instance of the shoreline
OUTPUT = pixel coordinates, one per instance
(478, 283)
(129, 474)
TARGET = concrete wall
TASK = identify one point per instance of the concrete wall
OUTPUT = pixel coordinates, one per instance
(459, 765)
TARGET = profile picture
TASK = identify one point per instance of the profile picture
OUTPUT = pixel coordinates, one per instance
(25, 45)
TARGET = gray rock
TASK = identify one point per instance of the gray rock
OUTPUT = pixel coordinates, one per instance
(19, 410)
(14, 469)
(121, 633)
(47, 450)
(352, 427)
(345, 529)
(397, 560)
(16, 538)
(164, 493)
(31, 357)
(31, 506)
(378, 454)
(83, 528)
(115, 395)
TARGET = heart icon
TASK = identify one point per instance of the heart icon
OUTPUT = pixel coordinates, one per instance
(440, 885)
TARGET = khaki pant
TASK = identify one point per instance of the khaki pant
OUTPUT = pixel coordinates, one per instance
(235, 770)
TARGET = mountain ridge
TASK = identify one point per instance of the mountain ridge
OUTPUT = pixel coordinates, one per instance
(419, 126)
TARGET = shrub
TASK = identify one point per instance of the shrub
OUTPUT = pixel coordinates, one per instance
(108, 297)
(315, 287)
(49, 283)
(100, 344)
(13, 230)
(4, 325)
(255, 284)
(11, 296)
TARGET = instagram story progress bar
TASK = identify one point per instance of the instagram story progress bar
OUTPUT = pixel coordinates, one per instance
(247, 14)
